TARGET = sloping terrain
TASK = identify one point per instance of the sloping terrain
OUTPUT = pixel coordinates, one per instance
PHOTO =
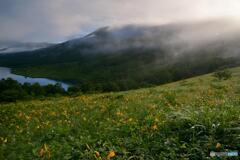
(7, 47)
(130, 57)
(182, 120)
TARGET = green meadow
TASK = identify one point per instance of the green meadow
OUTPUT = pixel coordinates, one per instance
(183, 120)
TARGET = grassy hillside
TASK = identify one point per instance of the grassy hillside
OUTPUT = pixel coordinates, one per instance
(182, 120)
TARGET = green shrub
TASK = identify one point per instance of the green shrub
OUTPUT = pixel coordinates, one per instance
(223, 75)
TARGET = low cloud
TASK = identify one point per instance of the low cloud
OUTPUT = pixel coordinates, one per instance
(58, 20)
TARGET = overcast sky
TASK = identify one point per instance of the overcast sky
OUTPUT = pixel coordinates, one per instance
(59, 20)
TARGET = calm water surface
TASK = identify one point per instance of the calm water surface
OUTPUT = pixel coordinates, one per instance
(6, 73)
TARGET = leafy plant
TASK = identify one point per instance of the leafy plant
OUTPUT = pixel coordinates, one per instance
(223, 75)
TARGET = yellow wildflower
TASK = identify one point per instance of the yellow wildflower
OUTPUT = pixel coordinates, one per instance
(97, 154)
(154, 127)
(218, 145)
(119, 113)
(111, 154)
(44, 150)
(41, 152)
(20, 114)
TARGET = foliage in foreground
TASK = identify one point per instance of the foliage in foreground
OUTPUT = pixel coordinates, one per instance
(223, 74)
(184, 120)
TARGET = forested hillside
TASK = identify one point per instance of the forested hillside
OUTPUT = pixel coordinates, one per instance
(130, 57)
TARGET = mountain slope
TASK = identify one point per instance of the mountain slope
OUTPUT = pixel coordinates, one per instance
(182, 120)
(122, 58)
(16, 47)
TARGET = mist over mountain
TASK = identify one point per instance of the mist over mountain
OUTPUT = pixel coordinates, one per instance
(173, 38)
(7, 47)
(133, 56)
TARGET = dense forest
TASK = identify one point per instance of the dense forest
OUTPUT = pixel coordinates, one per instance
(11, 91)
(118, 72)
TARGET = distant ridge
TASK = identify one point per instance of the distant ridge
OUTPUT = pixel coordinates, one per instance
(7, 47)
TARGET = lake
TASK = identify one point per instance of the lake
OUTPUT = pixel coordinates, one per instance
(6, 73)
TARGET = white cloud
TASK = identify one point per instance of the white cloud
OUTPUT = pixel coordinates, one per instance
(44, 20)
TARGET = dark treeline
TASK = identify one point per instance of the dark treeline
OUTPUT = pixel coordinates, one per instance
(11, 90)
(117, 76)
(141, 76)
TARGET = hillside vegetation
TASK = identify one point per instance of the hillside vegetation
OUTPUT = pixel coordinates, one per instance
(182, 120)
(134, 56)
(121, 71)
